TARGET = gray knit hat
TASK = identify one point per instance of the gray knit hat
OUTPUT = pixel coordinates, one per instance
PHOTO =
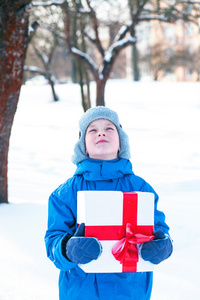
(99, 112)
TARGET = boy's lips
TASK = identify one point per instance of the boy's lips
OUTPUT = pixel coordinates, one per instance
(102, 141)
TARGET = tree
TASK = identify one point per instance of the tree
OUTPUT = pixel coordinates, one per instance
(14, 17)
(183, 58)
(45, 43)
(101, 72)
(80, 70)
(173, 53)
(46, 62)
(41, 55)
(155, 61)
(92, 13)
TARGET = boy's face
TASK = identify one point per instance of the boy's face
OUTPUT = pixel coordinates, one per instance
(102, 140)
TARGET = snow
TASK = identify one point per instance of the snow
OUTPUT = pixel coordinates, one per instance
(85, 56)
(162, 121)
(117, 44)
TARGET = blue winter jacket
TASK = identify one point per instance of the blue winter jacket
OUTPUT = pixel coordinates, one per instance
(74, 283)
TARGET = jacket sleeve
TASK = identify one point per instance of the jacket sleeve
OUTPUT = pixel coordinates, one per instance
(61, 222)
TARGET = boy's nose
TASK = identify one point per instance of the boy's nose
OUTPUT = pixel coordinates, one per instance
(101, 133)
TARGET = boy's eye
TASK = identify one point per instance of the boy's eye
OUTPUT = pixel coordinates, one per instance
(92, 130)
(110, 128)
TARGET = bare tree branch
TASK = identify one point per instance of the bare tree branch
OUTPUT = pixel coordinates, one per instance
(48, 3)
(54, 31)
(95, 23)
(34, 69)
(122, 32)
(86, 58)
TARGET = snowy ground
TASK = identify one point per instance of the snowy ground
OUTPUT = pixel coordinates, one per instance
(163, 123)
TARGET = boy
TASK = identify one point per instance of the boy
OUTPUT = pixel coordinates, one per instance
(102, 157)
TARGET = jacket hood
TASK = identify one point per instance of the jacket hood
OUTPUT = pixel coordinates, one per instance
(93, 169)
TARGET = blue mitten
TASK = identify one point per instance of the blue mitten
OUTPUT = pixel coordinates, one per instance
(158, 249)
(82, 250)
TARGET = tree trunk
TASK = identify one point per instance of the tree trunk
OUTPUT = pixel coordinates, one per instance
(100, 92)
(135, 63)
(74, 71)
(79, 64)
(51, 82)
(13, 46)
(87, 93)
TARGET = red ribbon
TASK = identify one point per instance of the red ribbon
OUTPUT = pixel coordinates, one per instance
(125, 250)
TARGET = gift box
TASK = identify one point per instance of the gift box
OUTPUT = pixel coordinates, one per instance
(121, 222)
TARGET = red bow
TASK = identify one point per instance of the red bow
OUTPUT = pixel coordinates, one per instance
(126, 250)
